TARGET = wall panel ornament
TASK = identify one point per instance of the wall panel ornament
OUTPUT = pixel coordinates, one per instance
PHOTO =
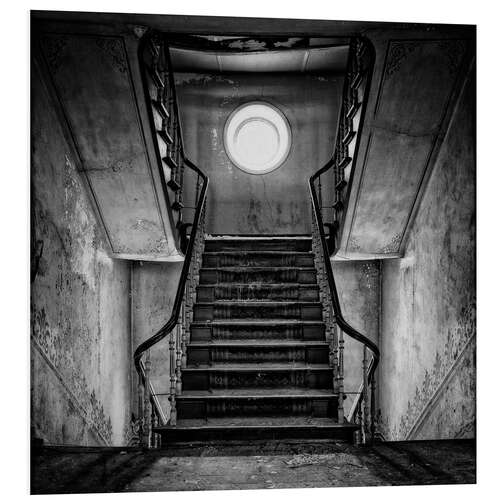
(447, 362)
(418, 86)
(55, 50)
(84, 398)
(398, 53)
(95, 90)
(113, 47)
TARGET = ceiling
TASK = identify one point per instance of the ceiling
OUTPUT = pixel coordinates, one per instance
(331, 59)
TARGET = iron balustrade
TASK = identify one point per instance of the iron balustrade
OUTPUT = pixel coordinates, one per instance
(337, 174)
(161, 99)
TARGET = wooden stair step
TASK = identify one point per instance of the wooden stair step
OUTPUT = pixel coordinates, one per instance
(255, 258)
(220, 375)
(238, 329)
(215, 244)
(223, 309)
(256, 428)
(251, 367)
(260, 343)
(249, 291)
(303, 275)
(247, 402)
(284, 392)
(257, 352)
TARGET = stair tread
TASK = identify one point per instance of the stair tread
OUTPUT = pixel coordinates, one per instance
(276, 285)
(256, 237)
(259, 422)
(252, 367)
(259, 343)
(257, 322)
(281, 392)
(260, 303)
(259, 268)
(259, 252)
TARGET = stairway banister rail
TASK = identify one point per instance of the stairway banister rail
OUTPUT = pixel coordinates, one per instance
(176, 105)
(174, 317)
(176, 309)
(343, 324)
(357, 72)
(337, 309)
(170, 326)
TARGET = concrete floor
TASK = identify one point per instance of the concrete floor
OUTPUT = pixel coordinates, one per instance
(290, 464)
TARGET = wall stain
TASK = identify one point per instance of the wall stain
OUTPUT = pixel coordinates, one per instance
(79, 317)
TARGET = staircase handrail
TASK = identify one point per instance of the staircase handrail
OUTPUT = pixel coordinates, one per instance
(173, 320)
(326, 251)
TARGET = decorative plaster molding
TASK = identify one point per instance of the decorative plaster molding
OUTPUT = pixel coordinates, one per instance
(400, 50)
(54, 50)
(455, 51)
(429, 406)
(398, 53)
(90, 407)
(353, 245)
(131, 434)
(434, 381)
(393, 245)
(113, 47)
(138, 30)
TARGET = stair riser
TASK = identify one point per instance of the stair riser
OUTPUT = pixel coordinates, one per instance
(258, 292)
(276, 275)
(206, 355)
(204, 333)
(248, 260)
(304, 312)
(205, 380)
(173, 434)
(277, 245)
(268, 407)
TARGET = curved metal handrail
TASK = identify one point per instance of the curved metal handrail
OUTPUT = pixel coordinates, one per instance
(343, 324)
(337, 309)
(174, 317)
(317, 214)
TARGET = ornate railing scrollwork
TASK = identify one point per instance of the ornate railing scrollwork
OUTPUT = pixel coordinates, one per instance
(332, 182)
(337, 174)
(165, 124)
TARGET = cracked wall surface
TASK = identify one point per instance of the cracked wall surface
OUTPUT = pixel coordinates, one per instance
(427, 374)
(80, 313)
(277, 202)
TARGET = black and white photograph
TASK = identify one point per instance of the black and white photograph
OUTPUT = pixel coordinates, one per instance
(252, 253)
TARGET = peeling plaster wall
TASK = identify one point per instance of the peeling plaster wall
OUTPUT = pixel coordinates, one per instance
(154, 285)
(427, 373)
(276, 202)
(80, 328)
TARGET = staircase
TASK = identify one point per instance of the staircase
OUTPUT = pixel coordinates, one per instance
(257, 357)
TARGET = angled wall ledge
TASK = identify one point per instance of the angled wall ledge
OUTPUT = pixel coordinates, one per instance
(414, 93)
(94, 81)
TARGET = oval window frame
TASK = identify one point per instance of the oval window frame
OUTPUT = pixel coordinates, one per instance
(283, 126)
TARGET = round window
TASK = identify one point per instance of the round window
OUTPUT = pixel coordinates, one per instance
(257, 137)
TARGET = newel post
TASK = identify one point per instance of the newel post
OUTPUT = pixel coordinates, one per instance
(147, 402)
(372, 409)
(366, 403)
(340, 383)
(173, 410)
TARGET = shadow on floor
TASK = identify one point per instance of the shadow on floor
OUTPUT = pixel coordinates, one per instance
(239, 465)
